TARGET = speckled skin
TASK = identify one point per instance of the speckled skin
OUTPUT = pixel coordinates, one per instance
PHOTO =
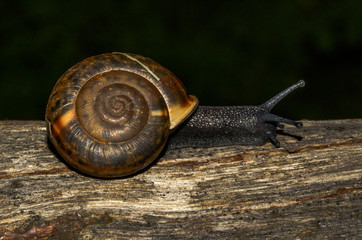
(221, 126)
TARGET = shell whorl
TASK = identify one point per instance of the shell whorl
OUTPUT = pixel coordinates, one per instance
(113, 107)
(108, 115)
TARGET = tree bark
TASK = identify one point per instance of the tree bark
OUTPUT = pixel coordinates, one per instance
(310, 188)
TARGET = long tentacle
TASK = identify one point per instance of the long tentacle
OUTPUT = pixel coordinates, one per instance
(274, 100)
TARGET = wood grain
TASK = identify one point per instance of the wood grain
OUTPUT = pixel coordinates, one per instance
(310, 188)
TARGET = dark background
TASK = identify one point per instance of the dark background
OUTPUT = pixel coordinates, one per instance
(225, 52)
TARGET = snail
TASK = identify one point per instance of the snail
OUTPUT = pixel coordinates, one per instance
(111, 115)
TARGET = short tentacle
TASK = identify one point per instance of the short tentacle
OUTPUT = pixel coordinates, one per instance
(273, 139)
(269, 117)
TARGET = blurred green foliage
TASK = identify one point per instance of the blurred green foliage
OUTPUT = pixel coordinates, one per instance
(225, 52)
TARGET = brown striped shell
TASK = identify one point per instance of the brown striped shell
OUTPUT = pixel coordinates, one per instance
(110, 115)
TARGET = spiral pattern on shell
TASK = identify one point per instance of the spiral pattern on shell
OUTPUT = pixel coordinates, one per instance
(113, 107)
(110, 115)
(104, 120)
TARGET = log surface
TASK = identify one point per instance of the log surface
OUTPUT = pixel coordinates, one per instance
(310, 188)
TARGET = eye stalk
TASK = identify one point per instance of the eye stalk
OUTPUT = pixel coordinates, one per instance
(268, 105)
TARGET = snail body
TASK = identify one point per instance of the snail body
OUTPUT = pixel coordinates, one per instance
(110, 116)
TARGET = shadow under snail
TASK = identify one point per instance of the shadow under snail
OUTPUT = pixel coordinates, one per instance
(110, 115)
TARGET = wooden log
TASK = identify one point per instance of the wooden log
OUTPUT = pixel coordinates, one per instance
(308, 188)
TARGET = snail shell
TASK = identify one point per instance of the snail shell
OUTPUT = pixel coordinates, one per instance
(110, 115)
